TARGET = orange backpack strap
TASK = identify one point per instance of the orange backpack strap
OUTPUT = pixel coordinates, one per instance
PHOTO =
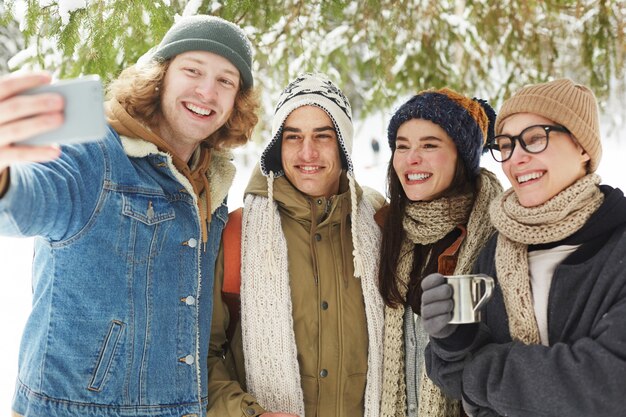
(448, 259)
(380, 217)
(232, 270)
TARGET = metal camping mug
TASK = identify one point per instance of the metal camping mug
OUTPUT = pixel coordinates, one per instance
(469, 296)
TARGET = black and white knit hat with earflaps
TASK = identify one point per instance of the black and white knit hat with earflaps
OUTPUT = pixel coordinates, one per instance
(310, 90)
(314, 89)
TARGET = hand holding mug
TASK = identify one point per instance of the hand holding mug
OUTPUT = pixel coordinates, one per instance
(451, 300)
(437, 306)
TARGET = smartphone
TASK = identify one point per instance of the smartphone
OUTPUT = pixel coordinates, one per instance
(84, 112)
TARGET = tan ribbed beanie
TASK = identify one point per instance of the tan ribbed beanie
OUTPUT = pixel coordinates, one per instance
(571, 105)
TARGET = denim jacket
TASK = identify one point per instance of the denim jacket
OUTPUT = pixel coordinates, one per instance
(122, 284)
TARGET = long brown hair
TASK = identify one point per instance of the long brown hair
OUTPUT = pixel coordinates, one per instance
(138, 89)
(394, 234)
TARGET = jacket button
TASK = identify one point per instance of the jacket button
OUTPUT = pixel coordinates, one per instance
(324, 373)
(192, 243)
(319, 201)
(324, 305)
(189, 359)
(318, 237)
(190, 300)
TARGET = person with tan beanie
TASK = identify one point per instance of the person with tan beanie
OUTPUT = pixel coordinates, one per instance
(553, 331)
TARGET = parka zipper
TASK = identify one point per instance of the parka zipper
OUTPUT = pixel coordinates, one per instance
(312, 234)
(314, 203)
(329, 202)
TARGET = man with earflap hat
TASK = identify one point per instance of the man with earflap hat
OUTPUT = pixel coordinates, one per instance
(310, 337)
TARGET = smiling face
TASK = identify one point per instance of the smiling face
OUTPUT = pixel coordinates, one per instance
(536, 178)
(199, 91)
(424, 160)
(310, 152)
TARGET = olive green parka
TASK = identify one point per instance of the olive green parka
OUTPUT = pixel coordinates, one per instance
(328, 309)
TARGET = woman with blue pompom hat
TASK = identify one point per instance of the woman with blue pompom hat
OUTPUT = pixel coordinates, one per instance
(437, 221)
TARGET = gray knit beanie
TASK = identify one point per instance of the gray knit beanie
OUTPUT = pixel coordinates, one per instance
(211, 34)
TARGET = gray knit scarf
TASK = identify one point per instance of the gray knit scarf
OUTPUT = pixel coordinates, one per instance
(520, 226)
(426, 223)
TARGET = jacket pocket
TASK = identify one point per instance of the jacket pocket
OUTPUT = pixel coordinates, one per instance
(354, 395)
(148, 209)
(105, 358)
(142, 227)
(310, 389)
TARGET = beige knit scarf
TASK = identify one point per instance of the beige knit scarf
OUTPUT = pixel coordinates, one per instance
(519, 226)
(270, 351)
(426, 223)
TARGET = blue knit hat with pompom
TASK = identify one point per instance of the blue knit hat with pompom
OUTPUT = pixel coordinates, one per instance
(469, 122)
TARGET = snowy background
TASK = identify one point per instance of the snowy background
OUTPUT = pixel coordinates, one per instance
(16, 254)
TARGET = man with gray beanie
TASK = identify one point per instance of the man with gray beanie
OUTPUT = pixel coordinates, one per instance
(128, 227)
(310, 337)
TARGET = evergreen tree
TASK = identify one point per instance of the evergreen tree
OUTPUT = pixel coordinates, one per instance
(11, 40)
(379, 50)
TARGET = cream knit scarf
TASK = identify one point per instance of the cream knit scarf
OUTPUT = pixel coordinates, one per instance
(270, 352)
(519, 226)
(426, 223)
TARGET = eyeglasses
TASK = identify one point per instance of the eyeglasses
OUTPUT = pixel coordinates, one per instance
(534, 139)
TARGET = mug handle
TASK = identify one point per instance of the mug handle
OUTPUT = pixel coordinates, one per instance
(489, 284)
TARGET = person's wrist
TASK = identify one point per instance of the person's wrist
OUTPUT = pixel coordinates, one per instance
(4, 181)
(447, 331)
(461, 338)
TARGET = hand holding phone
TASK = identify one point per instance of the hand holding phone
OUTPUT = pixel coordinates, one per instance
(23, 116)
(83, 116)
